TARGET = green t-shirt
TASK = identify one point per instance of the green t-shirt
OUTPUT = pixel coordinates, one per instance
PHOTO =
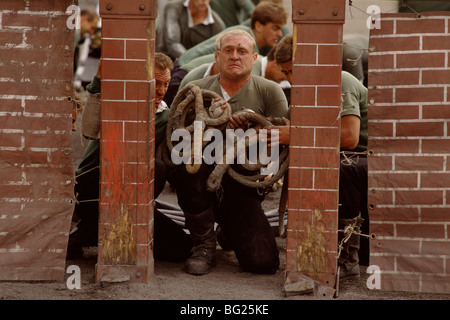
(263, 96)
(354, 102)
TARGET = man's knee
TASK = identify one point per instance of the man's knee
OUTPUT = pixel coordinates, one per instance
(266, 263)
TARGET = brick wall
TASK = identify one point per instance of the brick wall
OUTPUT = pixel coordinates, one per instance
(36, 173)
(313, 187)
(409, 172)
(127, 141)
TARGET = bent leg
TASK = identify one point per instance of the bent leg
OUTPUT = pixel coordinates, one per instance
(247, 228)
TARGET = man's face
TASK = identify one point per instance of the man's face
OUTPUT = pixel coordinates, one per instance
(286, 69)
(273, 72)
(271, 33)
(87, 27)
(200, 5)
(162, 79)
(236, 57)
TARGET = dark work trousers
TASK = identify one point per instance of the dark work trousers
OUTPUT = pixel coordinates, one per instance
(238, 212)
(171, 243)
(353, 197)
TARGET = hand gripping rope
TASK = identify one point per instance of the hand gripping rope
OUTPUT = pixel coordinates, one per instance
(191, 104)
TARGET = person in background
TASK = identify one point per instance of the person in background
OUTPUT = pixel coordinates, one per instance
(233, 12)
(187, 23)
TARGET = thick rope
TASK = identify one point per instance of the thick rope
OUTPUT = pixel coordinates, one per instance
(191, 104)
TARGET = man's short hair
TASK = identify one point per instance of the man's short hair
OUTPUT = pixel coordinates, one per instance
(283, 50)
(266, 12)
(236, 32)
(90, 14)
(163, 61)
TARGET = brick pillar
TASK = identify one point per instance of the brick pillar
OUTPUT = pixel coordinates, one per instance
(314, 150)
(409, 170)
(127, 141)
(36, 171)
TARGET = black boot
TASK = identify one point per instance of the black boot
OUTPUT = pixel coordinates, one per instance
(348, 259)
(201, 228)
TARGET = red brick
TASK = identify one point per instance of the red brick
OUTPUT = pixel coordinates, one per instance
(419, 94)
(12, 140)
(326, 179)
(305, 96)
(394, 180)
(382, 229)
(435, 180)
(15, 19)
(309, 157)
(397, 146)
(316, 75)
(436, 42)
(438, 248)
(415, 264)
(393, 112)
(422, 197)
(122, 110)
(380, 163)
(123, 70)
(395, 43)
(380, 197)
(393, 213)
(416, 129)
(400, 282)
(420, 231)
(113, 49)
(302, 136)
(306, 54)
(124, 28)
(318, 33)
(387, 27)
(413, 163)
(138, 131)
(310, 199)
(136, 49)
(395, 246)
(440, 111)
(394, 78)
(55, 5)
(11, 37)
(381, 129)
(436, 145)
(311, 116)
(385, 263)
(383, 61)
(113, 90)
(327, 137)
(435, 214)
(136, 90)
(435, 76)
(420, 60)
(300, 178)
(424, 25)
(329, 54)
(328, 96)
(381, 95)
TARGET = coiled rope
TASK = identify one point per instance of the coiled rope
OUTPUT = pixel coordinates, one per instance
(195, 104)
